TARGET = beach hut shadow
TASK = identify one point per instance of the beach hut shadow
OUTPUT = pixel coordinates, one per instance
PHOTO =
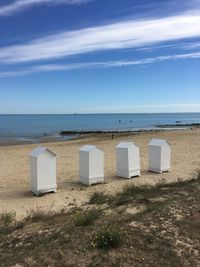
(26, 194)
(115, 178)
(16, 194)
(148, 173)
(71, 185)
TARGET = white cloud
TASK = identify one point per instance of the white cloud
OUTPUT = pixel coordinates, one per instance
(96, 65)
(121, 35)
(19, 5)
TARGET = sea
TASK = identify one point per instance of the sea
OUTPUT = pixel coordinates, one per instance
(32, 127)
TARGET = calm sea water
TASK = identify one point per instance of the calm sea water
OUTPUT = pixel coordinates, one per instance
(34, 126)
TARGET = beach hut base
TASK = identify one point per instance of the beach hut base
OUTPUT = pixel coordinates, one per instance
(91, 181)
(128, 175)
(39, 192)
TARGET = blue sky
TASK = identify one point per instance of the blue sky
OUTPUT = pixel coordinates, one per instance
(99, 56)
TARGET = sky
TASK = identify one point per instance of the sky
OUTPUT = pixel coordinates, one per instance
(99, 56)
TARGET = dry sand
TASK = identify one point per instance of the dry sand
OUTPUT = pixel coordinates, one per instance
(14, 169)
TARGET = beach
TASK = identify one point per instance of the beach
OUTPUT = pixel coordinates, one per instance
(15, 194)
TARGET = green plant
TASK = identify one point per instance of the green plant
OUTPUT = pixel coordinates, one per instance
(86, 217)
(99, 198)
(108, 237)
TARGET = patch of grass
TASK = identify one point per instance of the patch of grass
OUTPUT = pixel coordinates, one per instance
(37, 215)
(133, 190)
(108, 237)
(99, 198)
(86, 217)
(7, 219)
(129, 193)
(8, 222)
(197, 174)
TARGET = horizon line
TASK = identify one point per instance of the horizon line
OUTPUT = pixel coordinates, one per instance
(107, 113)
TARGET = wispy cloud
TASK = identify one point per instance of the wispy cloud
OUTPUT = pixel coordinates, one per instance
(20, 5)
(95, 65)
(189, 46)
(180, 45)
(121, 35)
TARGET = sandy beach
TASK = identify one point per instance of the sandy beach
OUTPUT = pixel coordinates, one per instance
(15, 192)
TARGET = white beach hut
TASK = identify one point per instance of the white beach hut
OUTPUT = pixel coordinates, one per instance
(127, 160)
(159, 156)
(91, 165)
(43, 171)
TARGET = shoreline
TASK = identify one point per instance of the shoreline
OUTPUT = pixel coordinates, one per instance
(76, 135)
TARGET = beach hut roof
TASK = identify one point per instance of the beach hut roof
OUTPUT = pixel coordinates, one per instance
(40, 150)
(158, 142)
(88, 148)
(125, 144)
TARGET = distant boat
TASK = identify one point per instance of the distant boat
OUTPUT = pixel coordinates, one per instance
(178, 121)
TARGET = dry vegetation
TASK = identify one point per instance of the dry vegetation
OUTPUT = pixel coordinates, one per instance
(140, 226)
